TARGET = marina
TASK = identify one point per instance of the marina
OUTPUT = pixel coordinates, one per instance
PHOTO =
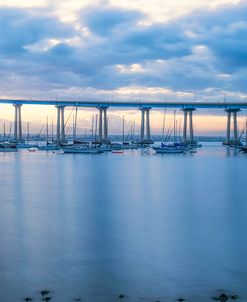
(100, 140)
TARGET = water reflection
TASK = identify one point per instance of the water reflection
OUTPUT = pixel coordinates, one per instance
(149, 226)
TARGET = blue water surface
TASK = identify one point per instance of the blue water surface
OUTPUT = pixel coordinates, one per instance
(153, 227)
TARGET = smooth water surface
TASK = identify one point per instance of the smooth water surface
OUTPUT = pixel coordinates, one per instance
(154, 227)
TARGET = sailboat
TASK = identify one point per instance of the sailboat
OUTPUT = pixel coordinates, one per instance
(82, 149)
(49, 146)
(6, 145)
(170, 148)
(119, 148)
(128, 142)
(244, 148)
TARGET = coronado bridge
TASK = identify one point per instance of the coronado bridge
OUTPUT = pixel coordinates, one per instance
(188, 107)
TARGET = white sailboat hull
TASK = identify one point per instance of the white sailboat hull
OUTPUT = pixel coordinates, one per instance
(81, 151)
(168, 150)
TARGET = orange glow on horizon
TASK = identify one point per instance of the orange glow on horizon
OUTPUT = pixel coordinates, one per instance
(204, 124)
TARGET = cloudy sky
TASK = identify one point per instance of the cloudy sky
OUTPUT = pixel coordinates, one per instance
(118, 49)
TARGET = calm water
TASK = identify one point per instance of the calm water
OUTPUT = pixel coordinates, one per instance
(154, 227)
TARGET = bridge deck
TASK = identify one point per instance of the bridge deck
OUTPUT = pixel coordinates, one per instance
(128, 104)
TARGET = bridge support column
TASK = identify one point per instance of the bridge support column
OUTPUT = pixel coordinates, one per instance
(103, 125)
(185, 126)
(188, 112)
(148, 125)
(230, 113)
(145, 125)
(60, 124)
(142, 123)
(100, 125)
(18, 123)
(191, 126)
(228, 127)
(235, 127)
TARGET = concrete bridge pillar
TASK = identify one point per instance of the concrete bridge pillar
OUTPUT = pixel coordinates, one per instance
(188, 112)
(142, 123)
(145, 125)
(191, 126)
(103, 125)
(231, 112)
(100, 125)
(148, 124)
(235, 127)
(18, 123)
(185, 126)
(228, 127)
(60, 124)
(246, 133)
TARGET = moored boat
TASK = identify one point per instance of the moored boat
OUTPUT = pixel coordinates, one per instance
(33, 149)
(244, 149)
(8, 147)
(49, 147)
(168, 150)
(172, 149)
(117, 151)
(81, 150)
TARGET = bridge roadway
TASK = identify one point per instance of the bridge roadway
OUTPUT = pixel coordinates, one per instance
(129, 104)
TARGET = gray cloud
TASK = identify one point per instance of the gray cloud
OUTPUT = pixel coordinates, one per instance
(201, 51)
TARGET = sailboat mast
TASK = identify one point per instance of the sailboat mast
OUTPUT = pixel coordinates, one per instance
(123, 128)
(131, 133)
(179, 130)
(10, 129)
(176, 130)
(27, 132)
(47, 131)
(73, 127)
(52, 129)
(174, 126)
(96, 126)
(4, 133)
(246, 133)
(163, 124)
(92, 128)
(75, 122)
